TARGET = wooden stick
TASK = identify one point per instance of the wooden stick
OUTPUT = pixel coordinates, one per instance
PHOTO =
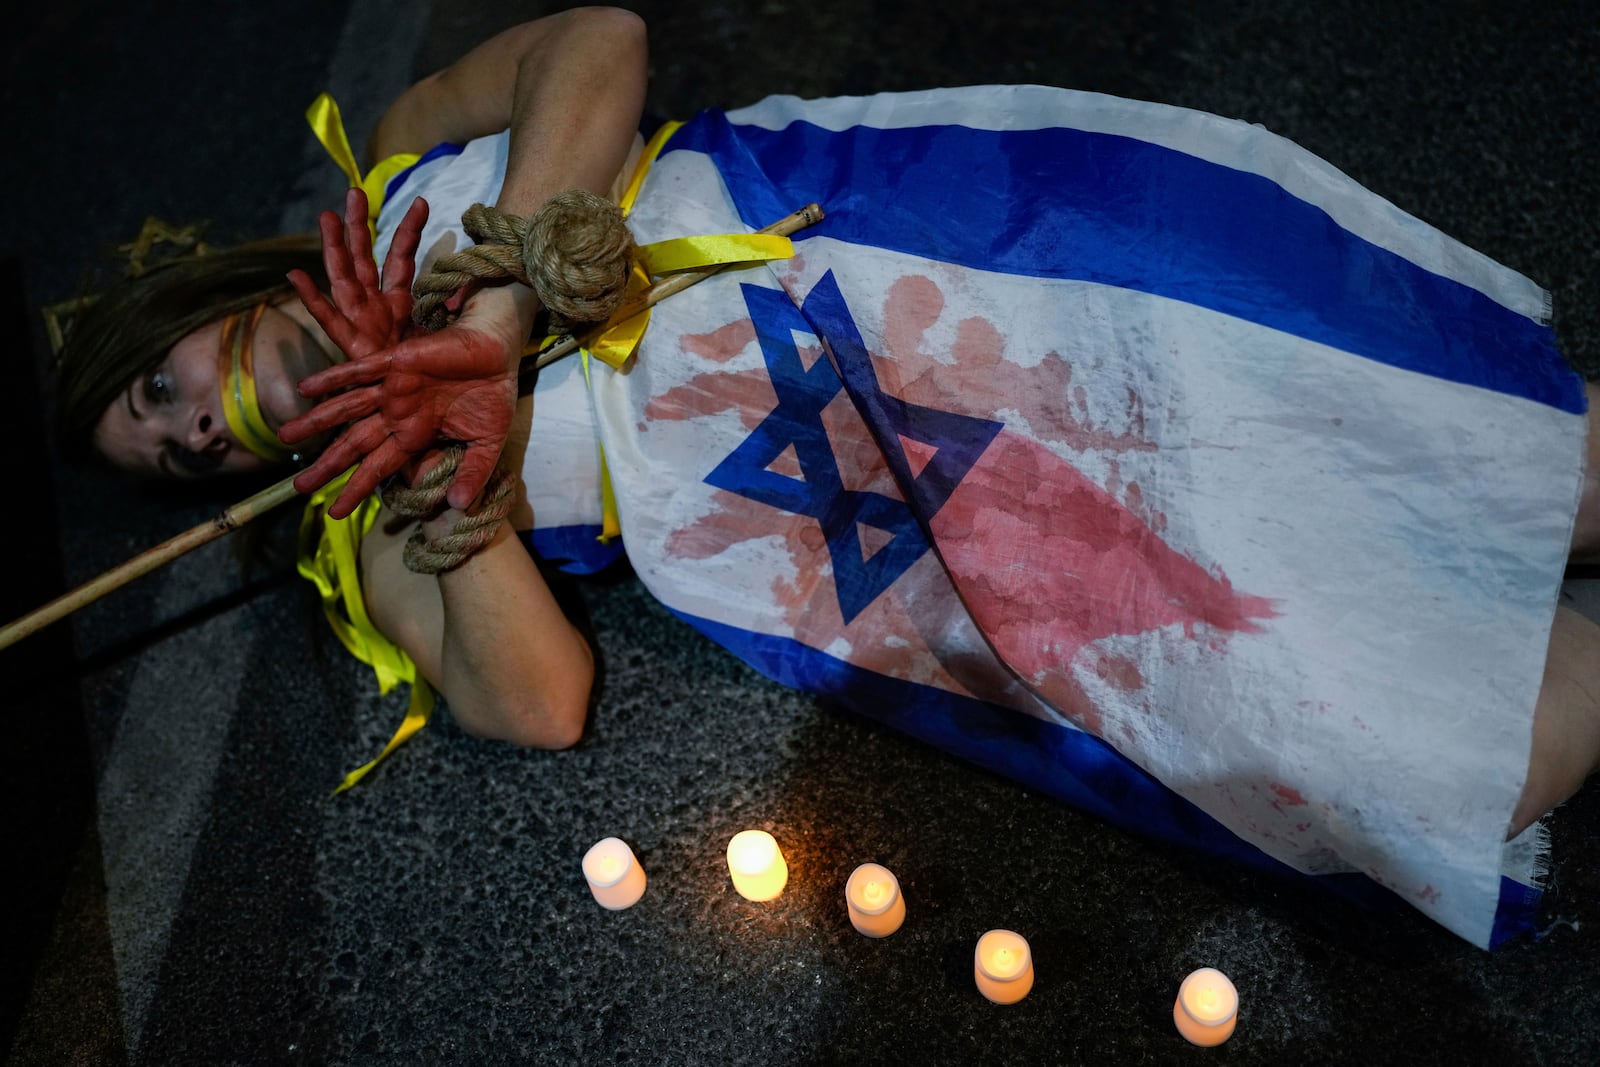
(247, 509)
(254, 507)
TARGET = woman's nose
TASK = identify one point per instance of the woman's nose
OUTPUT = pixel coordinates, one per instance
(205, 431)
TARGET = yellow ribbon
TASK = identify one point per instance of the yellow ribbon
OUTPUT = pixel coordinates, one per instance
(652, 149)
(614, 342)
(241, 407)
(689, 253)
(323, 115)
(330, 548)
(330, 559)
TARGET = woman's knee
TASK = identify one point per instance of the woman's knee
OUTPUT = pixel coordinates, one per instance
(1566, 719)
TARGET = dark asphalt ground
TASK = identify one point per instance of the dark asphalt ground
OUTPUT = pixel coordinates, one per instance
(186, 892)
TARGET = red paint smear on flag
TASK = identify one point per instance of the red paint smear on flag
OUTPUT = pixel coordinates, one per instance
(1289, 796)
(1048, 563)
(723, 343)
(1120, 671)
(976, 378)
(748, 392)
(896, 635)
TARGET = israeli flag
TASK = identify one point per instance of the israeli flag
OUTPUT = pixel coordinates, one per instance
(1130, 451)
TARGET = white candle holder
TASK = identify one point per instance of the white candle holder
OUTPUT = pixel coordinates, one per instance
(872, 896)
(613, 873)
(757, 866)
(1207, 1007)
(1002, 966)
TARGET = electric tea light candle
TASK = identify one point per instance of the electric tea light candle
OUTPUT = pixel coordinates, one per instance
(756, 863)
(873, 898)
(1003, 966)
(1206, 1008)
(614, 875)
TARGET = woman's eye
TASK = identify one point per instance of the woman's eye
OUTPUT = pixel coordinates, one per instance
(157, 387)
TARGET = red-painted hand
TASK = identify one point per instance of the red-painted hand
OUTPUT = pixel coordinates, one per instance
(364, 316)
(403, 391)
(455, 385)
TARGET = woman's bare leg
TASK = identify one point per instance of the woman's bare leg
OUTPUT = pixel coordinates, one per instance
(1586, 533)
(1566, 720)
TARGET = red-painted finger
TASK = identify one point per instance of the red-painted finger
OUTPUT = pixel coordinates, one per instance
(400, 265)
(346, 407)
(363, 371)
(332, 321)
(384, 461)
(335, 256)
(473, 474)
(358, 239)
(344, 453)
(324, 470)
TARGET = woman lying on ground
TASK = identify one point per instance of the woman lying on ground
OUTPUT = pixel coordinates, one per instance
(1261, 507)
(149, 395)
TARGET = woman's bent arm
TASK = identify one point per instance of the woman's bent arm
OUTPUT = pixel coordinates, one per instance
(570, 88)
(489, 635)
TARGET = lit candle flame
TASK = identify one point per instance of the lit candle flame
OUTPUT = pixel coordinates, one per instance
(1003, 966)
(872, 898)
(756, 863)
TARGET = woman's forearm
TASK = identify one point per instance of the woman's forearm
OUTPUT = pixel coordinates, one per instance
(575, 108)
(488, 635)
(510, 663)
(570, 88)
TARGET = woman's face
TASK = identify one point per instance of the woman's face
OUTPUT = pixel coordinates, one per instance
(169, 423)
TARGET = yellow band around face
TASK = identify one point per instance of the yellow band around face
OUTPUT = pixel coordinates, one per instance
(236, 369)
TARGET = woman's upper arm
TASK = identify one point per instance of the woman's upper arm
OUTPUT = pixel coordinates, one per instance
(473, 96)
(405, 607)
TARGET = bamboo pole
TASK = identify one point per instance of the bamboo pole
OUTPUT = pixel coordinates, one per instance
(244, 511)
(253, 507)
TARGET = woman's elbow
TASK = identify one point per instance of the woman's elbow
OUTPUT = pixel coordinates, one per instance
(561, 723)
(544, 717)
(621, 30)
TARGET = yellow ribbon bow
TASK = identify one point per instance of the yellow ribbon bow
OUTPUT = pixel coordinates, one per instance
(323, 115)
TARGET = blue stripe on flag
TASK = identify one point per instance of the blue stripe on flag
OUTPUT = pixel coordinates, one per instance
(1517, 913)
(1105, 208)
(573, 549)
(1058, 761)
(438, 151)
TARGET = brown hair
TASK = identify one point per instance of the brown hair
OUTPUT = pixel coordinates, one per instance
(130, 328)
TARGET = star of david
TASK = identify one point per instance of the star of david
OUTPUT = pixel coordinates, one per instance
(872, 538)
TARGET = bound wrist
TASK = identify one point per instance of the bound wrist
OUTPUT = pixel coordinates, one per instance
(447, 537)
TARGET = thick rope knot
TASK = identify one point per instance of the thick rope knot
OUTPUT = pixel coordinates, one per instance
(426, 499)
(575, 252)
